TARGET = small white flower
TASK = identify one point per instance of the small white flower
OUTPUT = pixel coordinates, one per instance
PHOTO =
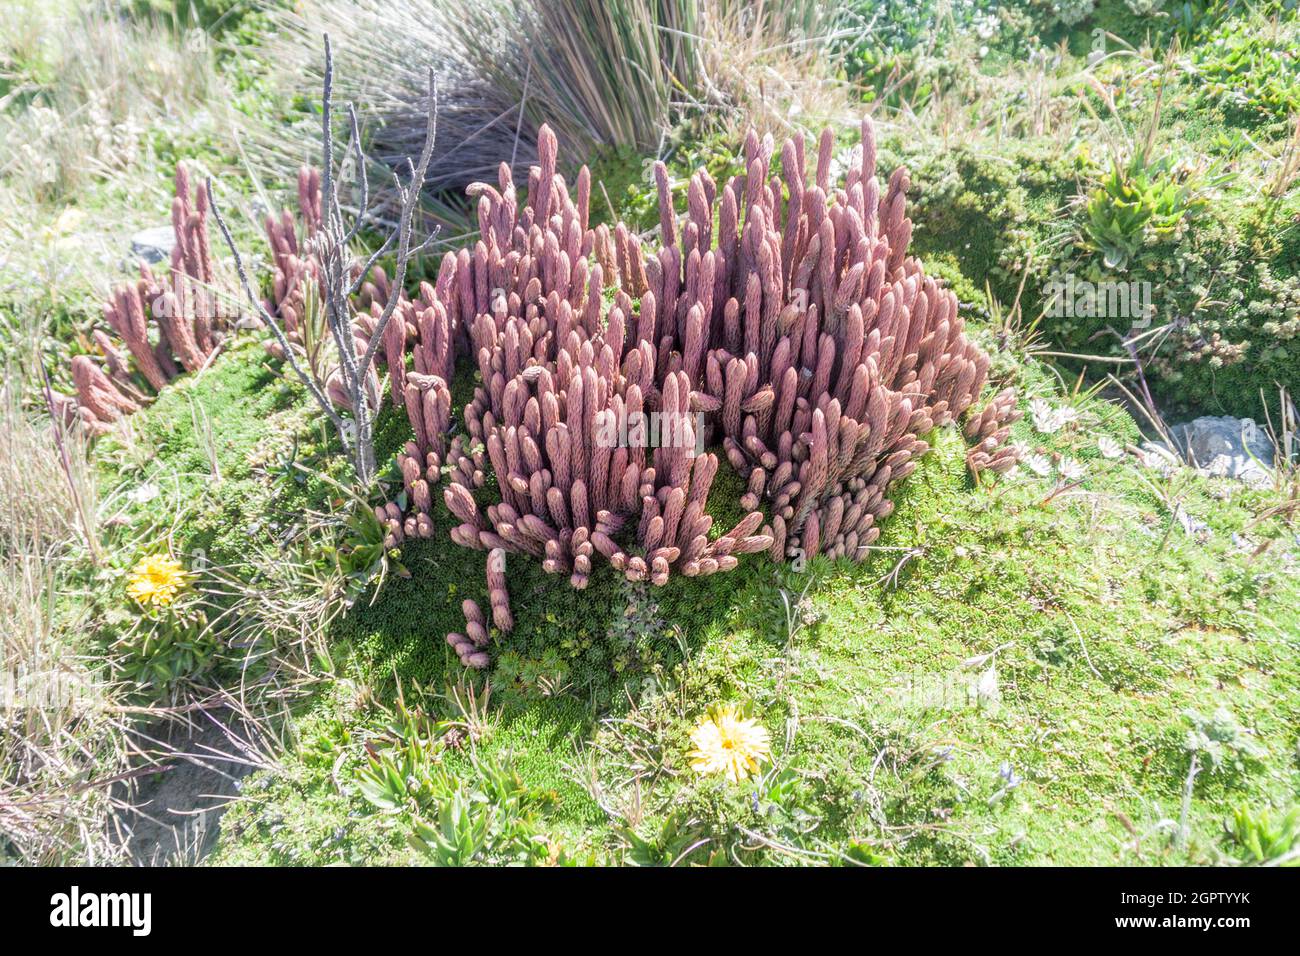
(1047, 419)
(1108, 447)
(144, 493)
(1040, 465)
(1041, 412)
(1158, 459)
(1070, 469)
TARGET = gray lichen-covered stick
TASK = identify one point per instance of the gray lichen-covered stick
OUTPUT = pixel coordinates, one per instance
(353, 384)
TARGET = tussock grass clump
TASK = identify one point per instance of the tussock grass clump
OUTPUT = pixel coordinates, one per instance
(602, 75)
(83, 86)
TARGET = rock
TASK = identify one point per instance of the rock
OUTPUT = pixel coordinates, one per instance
(1224, 446)
(154, 245)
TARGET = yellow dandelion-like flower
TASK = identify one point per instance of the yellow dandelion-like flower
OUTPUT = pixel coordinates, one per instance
(727, 743)
(156, 580)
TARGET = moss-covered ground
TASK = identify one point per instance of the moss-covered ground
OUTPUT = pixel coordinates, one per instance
(1008, 679)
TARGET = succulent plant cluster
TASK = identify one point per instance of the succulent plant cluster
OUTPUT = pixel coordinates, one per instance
(426, 334)
(830, 350)
(565, 356)
(429, 327)
(786, 313)
(184, 308)
(782, 317)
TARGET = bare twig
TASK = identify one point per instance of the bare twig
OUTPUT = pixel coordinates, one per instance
(266, 316)
(341, 279)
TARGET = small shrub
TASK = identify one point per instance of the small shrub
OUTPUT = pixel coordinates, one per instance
(1221, 740)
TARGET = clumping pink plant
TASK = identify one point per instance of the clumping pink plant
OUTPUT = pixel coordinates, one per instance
(166, 327)
(295, 267)
(430, 328)
(988, 431)
(830, 350)
(783, 317)
(558, 366)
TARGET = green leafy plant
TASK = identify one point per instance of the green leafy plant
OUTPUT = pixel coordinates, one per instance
(360, 548)
(533, 677)
(403, 770)
(1137, 204)
(489, 816)
(170, 645)
(676, 838)
(457, 814)
(1251, 68)
(362, 553)
(783, 802)
(460, 832)
(1264, 837)
(1225, 304)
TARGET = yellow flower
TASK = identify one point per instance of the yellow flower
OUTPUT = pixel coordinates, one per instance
(156, 580)
(727, 742)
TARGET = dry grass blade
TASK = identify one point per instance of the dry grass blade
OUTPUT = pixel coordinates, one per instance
(61, 738)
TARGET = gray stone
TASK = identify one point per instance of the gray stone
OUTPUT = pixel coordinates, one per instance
(154, 245)
(1227, 447)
